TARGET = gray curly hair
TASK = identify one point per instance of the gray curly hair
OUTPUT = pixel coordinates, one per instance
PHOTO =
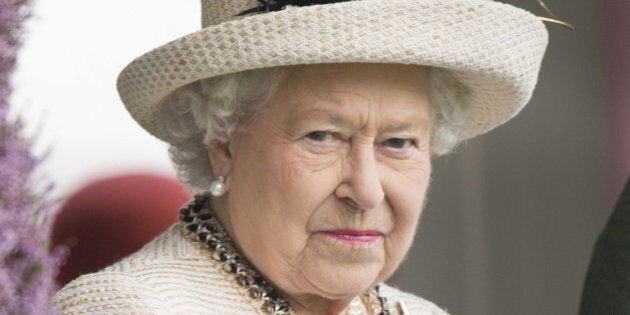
(211, 110)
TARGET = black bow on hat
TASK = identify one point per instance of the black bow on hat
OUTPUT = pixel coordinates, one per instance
(278, 5)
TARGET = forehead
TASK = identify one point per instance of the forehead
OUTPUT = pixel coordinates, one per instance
(397, 91)
(356, 75)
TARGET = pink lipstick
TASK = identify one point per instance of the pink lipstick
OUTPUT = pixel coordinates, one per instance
(354, 237)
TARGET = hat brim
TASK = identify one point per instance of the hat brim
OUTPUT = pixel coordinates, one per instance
(493, 49)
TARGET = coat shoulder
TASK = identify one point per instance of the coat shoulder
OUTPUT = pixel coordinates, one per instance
(170, 275)
(107, 292)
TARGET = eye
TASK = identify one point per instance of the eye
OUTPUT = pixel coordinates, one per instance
(319, 136)
(322, 142)
(399, 143)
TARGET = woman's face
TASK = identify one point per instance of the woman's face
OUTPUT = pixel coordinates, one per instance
(326, 186)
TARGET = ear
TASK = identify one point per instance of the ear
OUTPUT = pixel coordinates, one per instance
(220, 159)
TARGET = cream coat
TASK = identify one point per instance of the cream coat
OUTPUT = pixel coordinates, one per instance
(174, 275)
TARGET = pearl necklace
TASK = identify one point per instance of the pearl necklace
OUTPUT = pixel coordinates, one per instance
(203, 226)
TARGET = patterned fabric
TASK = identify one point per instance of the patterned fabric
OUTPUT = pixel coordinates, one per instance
(173, 275)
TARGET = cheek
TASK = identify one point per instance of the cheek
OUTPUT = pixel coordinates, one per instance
(303, 175)
(290, 185)
(406, 193)
(406, 184)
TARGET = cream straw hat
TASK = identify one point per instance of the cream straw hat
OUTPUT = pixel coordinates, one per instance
(492, 48)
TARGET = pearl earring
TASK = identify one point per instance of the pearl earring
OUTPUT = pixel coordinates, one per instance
(217, 187)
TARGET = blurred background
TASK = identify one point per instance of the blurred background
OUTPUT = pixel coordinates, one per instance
(512, 215)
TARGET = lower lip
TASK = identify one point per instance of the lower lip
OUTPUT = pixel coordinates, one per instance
(353, 237)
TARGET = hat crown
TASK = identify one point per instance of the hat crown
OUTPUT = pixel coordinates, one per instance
(214, 12)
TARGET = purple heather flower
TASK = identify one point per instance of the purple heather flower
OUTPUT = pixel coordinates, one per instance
(27, 270)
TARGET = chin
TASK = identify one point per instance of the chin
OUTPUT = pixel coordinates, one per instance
(344, 281)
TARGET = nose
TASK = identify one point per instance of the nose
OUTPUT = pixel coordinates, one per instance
(361, 185)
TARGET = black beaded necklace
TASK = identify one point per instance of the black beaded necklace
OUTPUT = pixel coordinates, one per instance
(203, 226)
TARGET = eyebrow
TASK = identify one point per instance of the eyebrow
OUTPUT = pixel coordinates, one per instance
(415, 124)
(422, 127)
(325, 115)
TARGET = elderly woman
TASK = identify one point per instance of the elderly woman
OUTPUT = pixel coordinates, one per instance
(308, 127)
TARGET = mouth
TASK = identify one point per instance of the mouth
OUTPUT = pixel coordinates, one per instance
(354, 237)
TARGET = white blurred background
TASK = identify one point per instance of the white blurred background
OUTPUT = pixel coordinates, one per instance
(66, 84)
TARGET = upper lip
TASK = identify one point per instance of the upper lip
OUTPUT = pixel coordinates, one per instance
(354, 232)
